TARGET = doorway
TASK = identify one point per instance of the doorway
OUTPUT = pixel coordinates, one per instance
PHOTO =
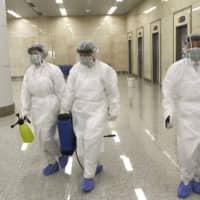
(140, 56)
(156, 57)
(181, 34)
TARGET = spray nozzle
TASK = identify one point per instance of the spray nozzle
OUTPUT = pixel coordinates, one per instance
(20, 120)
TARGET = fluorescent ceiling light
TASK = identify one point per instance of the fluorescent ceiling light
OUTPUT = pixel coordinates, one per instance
(24, 146)
(127, 163)
(63, 11)
(195, 9)
(150, 10)
(59, 1)
(119, 0)
(140, 194)
(14, 14)
(164, 0)
(112, 10)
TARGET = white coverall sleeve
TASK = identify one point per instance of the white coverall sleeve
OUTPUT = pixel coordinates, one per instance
(169, 89)
(112, 93)
(69, 93)
(59, 84)
(25, 98)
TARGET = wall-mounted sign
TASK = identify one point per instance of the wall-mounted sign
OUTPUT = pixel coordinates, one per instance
(181, 19)
(155, 28)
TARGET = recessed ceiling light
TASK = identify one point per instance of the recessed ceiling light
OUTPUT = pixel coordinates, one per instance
(119, 0)
(59, 1)
(112, 10)
(150, 10)
(14, 14)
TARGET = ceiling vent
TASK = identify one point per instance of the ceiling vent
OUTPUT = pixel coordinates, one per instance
(34, 8)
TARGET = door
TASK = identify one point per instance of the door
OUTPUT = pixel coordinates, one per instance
(130, 56)
(140, 57)
(181, 34)
(156, 59)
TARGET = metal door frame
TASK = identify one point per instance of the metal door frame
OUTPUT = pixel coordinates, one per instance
(189, 27)
(177, 27)
(158, 53)
(130, 55)
(160, 49)
(140, 28)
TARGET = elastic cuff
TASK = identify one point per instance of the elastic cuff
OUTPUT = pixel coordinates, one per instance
(25, 113)
(167, 114)
(89, 176)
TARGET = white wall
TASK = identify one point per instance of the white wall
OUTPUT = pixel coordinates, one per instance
(165, 12)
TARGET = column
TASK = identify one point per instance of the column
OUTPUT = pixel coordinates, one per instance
(6, 101)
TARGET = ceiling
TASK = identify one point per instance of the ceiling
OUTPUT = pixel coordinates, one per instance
(74, 7)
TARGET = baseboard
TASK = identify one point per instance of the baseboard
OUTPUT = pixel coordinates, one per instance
(7, 110)
(122, 72)
(148, 80)
(17, 78)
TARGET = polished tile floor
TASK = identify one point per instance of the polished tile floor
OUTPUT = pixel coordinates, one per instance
(139, 164)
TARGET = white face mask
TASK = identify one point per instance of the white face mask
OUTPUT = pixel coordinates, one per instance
(193, 54)
(87, 60)
(35, 59)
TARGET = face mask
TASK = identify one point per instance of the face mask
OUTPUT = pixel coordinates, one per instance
(193, 54)
(36, 59)
(87, 60)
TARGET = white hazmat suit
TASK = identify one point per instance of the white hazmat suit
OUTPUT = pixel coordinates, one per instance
(42, 91)
(181, 90)
(93, 97)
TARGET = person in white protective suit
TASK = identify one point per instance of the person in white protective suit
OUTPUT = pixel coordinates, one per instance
(42, 91)
(181, 90)
(93, 98)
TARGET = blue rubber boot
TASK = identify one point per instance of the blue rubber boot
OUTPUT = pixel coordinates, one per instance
(185, 190)
(87, 185)
(99, 169)
(196, 187)
(63, 161)
(50, 169)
